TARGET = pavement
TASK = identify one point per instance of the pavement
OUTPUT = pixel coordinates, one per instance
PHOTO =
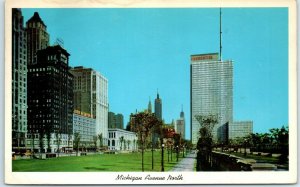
(186, 164)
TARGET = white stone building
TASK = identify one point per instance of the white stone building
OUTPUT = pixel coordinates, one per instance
(129, 142)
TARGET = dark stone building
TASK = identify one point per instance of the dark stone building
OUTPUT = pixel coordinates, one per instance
(50, 98)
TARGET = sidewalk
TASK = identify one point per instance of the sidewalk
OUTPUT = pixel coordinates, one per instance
(186, 164)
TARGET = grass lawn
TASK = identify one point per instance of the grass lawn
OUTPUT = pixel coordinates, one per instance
(103, 162)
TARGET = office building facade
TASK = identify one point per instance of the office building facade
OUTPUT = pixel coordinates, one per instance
(115, 120)
(85, 125)
(19, 80)
(91, 96)
(211, 93)
(240, 129)
(50, 98)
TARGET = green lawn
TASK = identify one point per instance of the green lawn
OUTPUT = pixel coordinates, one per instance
(104, 162)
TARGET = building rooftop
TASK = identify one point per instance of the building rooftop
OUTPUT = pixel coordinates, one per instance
(36, 18)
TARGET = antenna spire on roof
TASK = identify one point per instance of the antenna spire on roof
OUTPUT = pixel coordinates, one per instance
(220, 34)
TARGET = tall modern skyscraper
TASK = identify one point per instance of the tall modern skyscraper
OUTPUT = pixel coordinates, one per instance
(158, 107)
(211, 93)
(19, 80)
(37, 37)
(50, 99)
(91, 96)
(180, 125)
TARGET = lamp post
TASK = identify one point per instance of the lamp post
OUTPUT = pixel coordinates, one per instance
(162, 157)
(183, 151)
(177, 153)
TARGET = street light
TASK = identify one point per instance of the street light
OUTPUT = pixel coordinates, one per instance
(183, 151)
(162, 157)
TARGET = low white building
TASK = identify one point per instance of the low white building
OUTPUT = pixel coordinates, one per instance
(122, 140)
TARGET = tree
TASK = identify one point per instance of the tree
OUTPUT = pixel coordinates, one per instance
(134, 144)
(205, 142)
(95, 138)
(177, 138)
(124, 144)
(121, 141)
(48, 135)
(76, 141)
(100, 137)
(32, 136)
(142, 123)
(41, 140)
(283, 142)
(58, 139)
(128, 143)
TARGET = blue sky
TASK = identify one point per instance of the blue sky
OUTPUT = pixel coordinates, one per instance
(142, 50)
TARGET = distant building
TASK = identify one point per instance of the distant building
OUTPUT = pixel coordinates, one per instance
(91, 96)
(240, 129)
(115, 120)
(149, 106)
(50, 99)
(158, 107)
(19, 80)
(211, 93)
(129, 142)
(37, 37)
(180, 125)
(85, 125)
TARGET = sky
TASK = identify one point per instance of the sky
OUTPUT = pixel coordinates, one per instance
(141, 51)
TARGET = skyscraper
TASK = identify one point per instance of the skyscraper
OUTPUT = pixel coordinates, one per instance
(115, 120)
(158, 107)
(37, 37)
(211, 93)
(50, 99)
(119, 121)
(91, 96)
(180, 125)
(19, 80)
(149, 106)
